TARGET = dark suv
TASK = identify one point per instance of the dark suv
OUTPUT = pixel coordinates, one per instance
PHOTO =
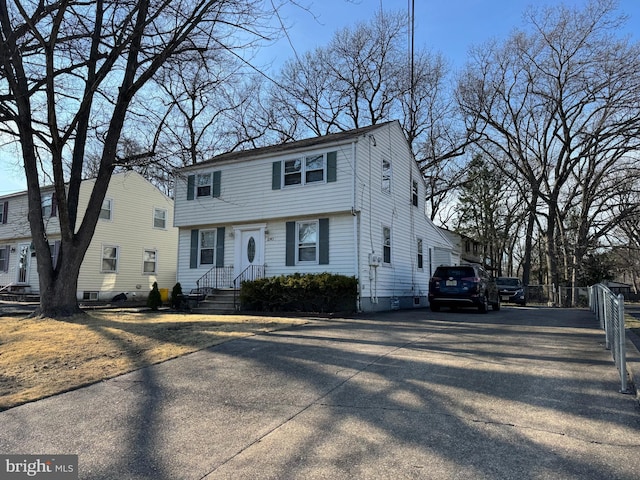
(463, 286)
(511, 290)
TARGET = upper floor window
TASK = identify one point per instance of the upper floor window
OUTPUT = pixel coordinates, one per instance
(386, 176)
(203, 185)
(150, 261)
(386, 245)
(110, 258)
(414, 193)
(316, 168)
(48, 205)
(301, 171)
(159, 218)
(107, 209)
(4, 209)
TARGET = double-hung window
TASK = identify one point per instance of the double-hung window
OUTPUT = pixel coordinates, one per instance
(150, 261)
(159, 218)
(420, 255)
(386, 176)
(307, 246)
(110, 258)
(386, 245)
(302, 171)
(4, 258)
(414, 193)
(47, 205)
(207, 252)
(4, 208)
(203, 185)
(107, 209)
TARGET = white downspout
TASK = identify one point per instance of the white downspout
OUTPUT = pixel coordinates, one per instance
(354, 213)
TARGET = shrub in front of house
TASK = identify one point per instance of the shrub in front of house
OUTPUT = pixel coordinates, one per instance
(319, 292)
(177, 298)
(154, 300)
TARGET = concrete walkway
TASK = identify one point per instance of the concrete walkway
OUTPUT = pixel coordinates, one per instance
(523, 393)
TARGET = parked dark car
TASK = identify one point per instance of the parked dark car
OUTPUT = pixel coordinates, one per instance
(463, 286)
(511, 290)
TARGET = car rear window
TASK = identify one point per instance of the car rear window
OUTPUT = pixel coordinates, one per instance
(454, 272)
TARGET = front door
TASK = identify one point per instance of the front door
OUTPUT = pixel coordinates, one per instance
(24, 254)
(251, 250)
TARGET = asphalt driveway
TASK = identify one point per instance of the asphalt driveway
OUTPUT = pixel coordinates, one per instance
(523, 393)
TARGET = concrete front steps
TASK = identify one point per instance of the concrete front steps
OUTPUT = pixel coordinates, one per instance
(218, 302)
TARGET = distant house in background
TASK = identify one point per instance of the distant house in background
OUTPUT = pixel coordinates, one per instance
(350, 203)
(134, 243)
(465, 249)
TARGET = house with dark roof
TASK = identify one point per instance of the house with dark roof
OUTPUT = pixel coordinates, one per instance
(350, 203)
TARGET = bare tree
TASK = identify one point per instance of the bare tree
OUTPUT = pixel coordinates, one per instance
(76, 72)
(561, 103)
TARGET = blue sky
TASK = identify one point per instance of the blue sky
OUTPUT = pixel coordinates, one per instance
(449, 27)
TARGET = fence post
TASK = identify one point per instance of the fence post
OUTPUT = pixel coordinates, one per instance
(622, 346)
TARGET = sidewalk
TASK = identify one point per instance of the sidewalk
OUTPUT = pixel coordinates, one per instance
(523, 393)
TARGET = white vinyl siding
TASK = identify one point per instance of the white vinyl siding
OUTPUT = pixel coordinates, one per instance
(238, 205)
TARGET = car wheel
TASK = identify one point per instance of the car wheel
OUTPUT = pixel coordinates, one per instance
(484, 308)
(434, 307)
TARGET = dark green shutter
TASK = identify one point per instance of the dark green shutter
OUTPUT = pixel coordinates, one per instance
(215, 191)
(220, 247)
(291, 244)
(332, 166)
(193, 260)
(191, 183)
(276, 173)
(323, 237)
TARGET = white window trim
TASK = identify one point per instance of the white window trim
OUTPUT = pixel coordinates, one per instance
(155, 263)
(197, 184)
(214, 247)
(388, 176)
(316, 261)
(166, 214)
(110, 219)
(303, 170)
(47, 203)
(2, 212)
(390, 245)
(102, 258)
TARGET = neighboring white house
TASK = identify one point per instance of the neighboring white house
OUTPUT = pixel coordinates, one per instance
(350, 203)
(134, 243)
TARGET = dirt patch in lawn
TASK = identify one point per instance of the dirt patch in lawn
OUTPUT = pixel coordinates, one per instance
(40, 357)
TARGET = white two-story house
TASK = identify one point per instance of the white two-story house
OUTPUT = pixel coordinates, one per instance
(134, 244)
(350, 203)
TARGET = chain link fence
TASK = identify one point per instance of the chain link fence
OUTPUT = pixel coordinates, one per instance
(551, 295)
